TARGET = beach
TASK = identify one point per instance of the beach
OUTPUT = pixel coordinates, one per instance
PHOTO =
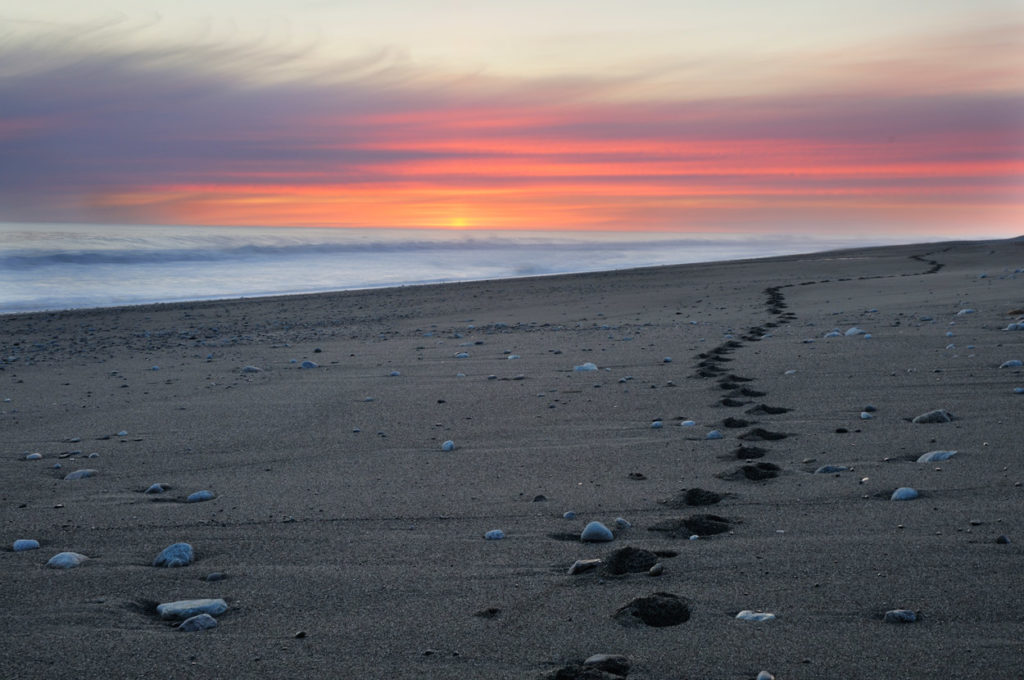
(350, 542)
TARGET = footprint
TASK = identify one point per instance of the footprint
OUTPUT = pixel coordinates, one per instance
(761, 434)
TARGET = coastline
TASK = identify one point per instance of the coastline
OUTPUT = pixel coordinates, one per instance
(338, 515)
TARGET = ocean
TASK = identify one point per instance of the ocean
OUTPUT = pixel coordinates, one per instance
(66, 266)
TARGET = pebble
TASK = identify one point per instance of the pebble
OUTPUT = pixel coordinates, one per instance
(588, 366)
(122, 433)
(66, 560)
(964, 312)
(462, 355)
(215, 576)
(622, 523)
(688, 423)
(764, 675)
(748, 615)
(200, 496)
(1012, 363)
(935, 456)
(657, 570)
(79, 474)
(714, 434)
(596, 532)
(854, 331)
(25, 544)
(569, 514)
(864, 415)
(900, 616)
(615, 664)
(1018, 326)
(448, 446)
(186, 609)
(904, 493)
(198, 622)
(1003, 539)
(580, 566)
(656, 425)
(936, 416)
(494, 535)
(870, 408)
(394, 374)
(176, 555)
(158, 487)
(791, 371)
(251, 369)
(33, 456)
(309, 364)
(1018, 390)
(830, 469)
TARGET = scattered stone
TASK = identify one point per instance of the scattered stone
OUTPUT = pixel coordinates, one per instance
(1003, 539)
(900, 616)
(864, 415)
(79, 474)
(830, 469)
(494, 535)
(657, 425)
(657, 610)
(1012, 363)
(588, 366)
(197, 623)
(700, 525)
(33, 456)
(688, 423)
(964, 312)
(540, 498)
(186, 609)
(622, 523)
(580, 566)
(176, 555)
(309, 364)
(935, 456)
(850, 332)
(462, 355)
(448, 446)
(656, 570)
(616, 664)
(714, 434)
(936, 416)
(748, 615)
(630, 560)
(66, 560)
(200, 496)
(764, 675)
(23, 544)
(157, 488)
(215, 576)
(568, 514)
(595, 532)
(251, 369)
(904, 493)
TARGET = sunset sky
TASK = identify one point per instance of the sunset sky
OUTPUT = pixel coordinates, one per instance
(847, 118)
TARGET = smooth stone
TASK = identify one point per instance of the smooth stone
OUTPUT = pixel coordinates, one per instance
(1018, 390)
(122, 433)
(1003, 539)
(448, 446)
(657, 425)
(748, 615)
(215, 576)
(1018, 326)
(688, 423)
(596, 532)
(66, 560)
(251, 369)
(964, 312)
(588, 366)
(309, 364)
(568, 514)
(622, 523)
(1012, 363)
(936, 416)
(33, 456)
(494, 535)
(25, 544)
(198, 622)
(870, 409)
(854, 331)
(935, 456)
(199, 496)
(900, 616)
(829, 469)
(832, 334)
(657, 569)
(864, 415)
(462, 355)
(156, 488)
(580, 566)
(394, 374)
(186, 609)
(79, 474)
(616, 664)
(176, 555)
(764, 675)
(904, 493)
(714, 434)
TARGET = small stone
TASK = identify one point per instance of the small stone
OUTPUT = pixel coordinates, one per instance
(657, 569)
(616, 664)
(197, 623)
(122, 433)
(186, 609)
(157, 488)
(251, 369)
(900, 616)
(33, 456)
(935, 456)
(622, 523)
(714, 434)
(688, 423)
(1003, 540)
(1012, 363)
(300, 634)
(657, 425)
(494, 535)
(79, 474)
(23, 544)
(850, 332)
(830, 469)
(764, 675)
(394, 374)
(176, 555)
(309, 364)
(904, 493)
(448, 446)
(748, 615)
(936, 416)
(568, 514)
(200, 496)
(864, 415)
(588, 366)
(597, 533)
(66, 560)
(215, 576)
(580, 566)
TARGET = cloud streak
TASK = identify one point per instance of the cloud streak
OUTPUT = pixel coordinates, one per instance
(184, 136)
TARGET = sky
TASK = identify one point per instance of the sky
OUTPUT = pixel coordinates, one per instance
(741, 116)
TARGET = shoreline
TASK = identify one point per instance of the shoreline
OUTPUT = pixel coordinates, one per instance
(350, 539)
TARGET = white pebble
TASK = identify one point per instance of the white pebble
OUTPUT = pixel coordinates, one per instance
(854, 331)
(935, 456)
(904, 493)
(66, 560)
(33, 456)
(864, 415)
(748, 615)
(936, 416)
(791, 371)
(964, 312)
(764, 675)
(596, 532)
(462, 355)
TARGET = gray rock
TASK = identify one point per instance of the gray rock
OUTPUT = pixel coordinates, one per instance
(200, 496)
(580, 566)
(494, 535)
(829, 469)
(900, 616)
(597, 533)
(904, 493)
(79, 474)
(309, 364)
(198, 622)
(186, 609)
(1012, 363)
(252, 369)
(157, 488)
(657, 569)
(176, 555)
(66, 560)
(936, 416)
(23, 544)
(33, 456)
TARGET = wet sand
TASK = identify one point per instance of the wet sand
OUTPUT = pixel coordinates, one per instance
(352, 544)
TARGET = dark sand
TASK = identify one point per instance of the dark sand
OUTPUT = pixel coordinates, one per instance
(370, 542)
